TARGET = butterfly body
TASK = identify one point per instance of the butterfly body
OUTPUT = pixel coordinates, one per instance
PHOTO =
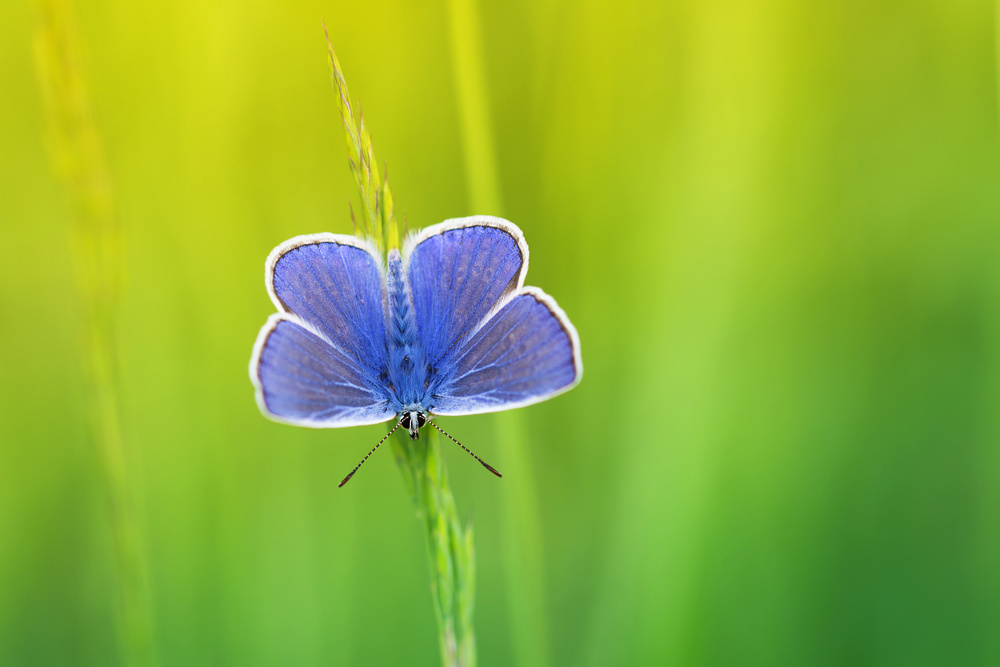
(407, 371)
(445, 327)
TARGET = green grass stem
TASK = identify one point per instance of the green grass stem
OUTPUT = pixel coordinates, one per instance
(450, 546)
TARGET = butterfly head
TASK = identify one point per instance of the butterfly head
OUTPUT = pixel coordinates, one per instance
(412, 421)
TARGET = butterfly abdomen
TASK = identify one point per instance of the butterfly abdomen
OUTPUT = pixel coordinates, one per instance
(407, 362)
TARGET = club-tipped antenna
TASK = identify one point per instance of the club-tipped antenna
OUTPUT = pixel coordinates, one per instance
(351, 474)
(485, 464)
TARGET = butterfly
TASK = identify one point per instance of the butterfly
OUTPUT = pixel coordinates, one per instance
(446, 327)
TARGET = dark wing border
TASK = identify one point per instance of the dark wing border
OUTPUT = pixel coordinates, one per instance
(314, 239)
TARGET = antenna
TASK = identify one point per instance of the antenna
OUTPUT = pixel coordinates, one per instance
(485, 464)
(377, 446)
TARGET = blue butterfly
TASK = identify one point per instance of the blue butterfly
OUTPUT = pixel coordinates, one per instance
(445, 328)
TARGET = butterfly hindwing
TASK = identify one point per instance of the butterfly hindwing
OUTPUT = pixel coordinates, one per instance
(318, 361)
(304, 380)
(526, 353)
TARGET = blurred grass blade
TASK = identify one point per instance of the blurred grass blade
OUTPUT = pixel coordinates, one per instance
(378, 220)
(525, 575)
(97, 248)
(523, 551)
(473, 108)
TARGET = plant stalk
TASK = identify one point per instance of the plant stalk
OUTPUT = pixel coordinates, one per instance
(450, 547)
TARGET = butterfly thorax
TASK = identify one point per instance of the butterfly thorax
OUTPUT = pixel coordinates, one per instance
(408, 369)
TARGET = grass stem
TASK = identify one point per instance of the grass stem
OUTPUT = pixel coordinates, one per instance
(450, 546)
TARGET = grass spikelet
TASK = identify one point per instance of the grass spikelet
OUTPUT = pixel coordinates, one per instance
(378, 220)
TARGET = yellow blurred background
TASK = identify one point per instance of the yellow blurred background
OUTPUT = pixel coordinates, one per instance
(774, 223)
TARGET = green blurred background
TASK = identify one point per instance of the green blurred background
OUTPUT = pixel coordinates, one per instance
(775, 225)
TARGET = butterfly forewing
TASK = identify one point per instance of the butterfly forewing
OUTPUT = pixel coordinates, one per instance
(335, 285)
(458, 272)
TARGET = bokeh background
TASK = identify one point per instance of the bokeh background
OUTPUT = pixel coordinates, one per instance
(774, 223)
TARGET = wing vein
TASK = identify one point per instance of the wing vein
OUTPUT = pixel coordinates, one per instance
(327, 366)
(501, 339)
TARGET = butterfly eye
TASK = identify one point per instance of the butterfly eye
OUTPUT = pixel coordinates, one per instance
(405, 421)
(421, 420)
